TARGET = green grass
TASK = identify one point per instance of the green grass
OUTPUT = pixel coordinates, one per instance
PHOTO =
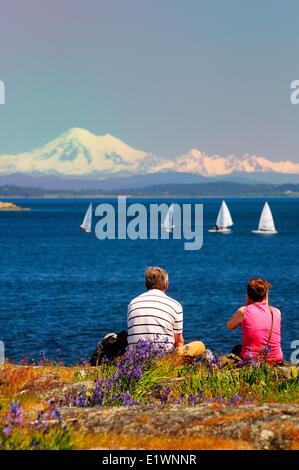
(167, 375)
(263, 384)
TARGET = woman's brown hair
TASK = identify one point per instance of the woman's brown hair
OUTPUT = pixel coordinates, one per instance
(257, 289)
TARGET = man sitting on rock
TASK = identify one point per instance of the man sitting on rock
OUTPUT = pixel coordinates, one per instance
(156, 316)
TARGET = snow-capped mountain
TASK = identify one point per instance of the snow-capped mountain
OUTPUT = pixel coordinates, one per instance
(80, 153)
(200, 163)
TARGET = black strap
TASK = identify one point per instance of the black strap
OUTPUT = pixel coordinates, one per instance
(272, 324)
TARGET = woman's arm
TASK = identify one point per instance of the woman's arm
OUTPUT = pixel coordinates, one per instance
(236, 319)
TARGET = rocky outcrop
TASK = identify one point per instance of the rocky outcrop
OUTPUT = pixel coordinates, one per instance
(9, 206)
(268, 426)
(51, 388)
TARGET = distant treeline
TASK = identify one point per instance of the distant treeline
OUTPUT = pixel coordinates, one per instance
(22, 191)
(220, 188)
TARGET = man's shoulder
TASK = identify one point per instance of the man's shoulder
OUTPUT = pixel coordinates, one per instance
(138, 297)
(178, 307)
(155, 296)
(141, 297)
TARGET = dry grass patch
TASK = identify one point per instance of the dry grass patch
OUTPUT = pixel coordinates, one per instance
(158, 442)
(231, 418)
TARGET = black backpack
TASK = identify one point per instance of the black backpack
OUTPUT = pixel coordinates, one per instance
(110, 347)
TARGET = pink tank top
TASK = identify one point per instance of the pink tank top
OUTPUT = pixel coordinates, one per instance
(256, 328)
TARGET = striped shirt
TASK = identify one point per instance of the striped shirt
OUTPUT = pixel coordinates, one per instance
(154, 315)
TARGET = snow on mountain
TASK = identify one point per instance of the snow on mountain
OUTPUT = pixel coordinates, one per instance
(79, 152)
(200, 163)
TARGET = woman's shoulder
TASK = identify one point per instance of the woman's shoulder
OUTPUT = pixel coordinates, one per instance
(248, 309)
(241, 310)
(275, 309)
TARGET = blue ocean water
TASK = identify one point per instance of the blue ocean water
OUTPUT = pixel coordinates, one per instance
(61, 290)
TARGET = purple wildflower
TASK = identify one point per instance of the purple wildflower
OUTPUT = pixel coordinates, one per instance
(179, 399)
(220, 399)
(6, 430)
(38, 423)
(137, 359)
(235, 400)
(81, 400)
(164, 395)
(250, 361)
(194, 399)
(99, 395)
(210, 359)
(124, 399)
(131, 367)
(55, 414)
(15, 414)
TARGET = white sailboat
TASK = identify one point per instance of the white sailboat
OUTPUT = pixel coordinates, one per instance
(224, 220)
(86, 224)
(168, 221)
(266, 223)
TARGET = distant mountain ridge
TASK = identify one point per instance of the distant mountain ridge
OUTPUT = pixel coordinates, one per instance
(67, 183)
(201, 163)
(208, 189)
(79, 153)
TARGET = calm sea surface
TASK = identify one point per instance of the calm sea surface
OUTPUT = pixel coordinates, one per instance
(61, 289)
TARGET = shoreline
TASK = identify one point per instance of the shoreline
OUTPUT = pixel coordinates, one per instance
(130, 196)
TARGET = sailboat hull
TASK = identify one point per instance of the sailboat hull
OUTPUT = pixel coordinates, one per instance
(265, 232)
(83, 229)
(221, 230)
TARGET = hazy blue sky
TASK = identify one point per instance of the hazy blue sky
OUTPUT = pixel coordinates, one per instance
(163, 75)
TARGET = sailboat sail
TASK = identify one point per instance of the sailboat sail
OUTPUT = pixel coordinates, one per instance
(86, 224)
(266, 222)
(224, 218)
(168, 221)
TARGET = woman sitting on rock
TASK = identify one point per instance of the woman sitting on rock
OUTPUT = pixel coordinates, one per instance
(261, 325)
